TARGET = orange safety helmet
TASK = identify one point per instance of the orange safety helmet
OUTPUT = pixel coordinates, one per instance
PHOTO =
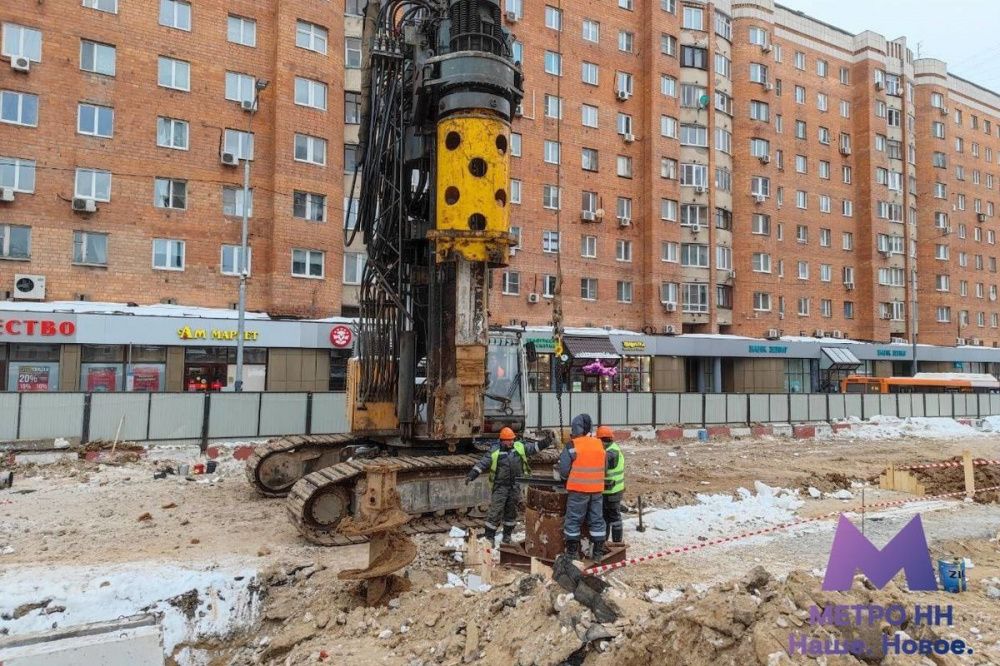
(507, 435)
(605, 432)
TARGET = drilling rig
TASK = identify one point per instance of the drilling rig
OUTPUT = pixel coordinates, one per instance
(430, 376)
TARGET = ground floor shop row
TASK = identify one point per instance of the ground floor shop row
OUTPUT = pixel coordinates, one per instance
(593, 360)
(105, 348)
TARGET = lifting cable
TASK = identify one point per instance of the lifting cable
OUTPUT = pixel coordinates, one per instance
(557, 324)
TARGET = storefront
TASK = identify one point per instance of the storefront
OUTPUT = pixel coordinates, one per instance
(101, 347)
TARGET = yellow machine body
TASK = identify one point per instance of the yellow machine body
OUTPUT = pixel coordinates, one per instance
(473, 189)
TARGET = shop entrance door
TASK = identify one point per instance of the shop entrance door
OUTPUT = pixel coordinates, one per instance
(204, 376)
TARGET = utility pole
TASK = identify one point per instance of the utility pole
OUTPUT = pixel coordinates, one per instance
(259, 87)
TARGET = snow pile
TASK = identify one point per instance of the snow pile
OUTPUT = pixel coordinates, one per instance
(193, 605)
(893, 427)
(468, 580)
(715, 515)
(991, 424)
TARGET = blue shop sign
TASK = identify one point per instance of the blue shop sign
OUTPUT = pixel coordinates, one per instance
(892, 353)
(768, 349)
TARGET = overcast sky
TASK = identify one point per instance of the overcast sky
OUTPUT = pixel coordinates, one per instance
(963, 33)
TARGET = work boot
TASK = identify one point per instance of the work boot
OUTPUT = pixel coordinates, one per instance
(508, 534)
(573, 549)
(490, 535)
(598, 552)
(616, 535)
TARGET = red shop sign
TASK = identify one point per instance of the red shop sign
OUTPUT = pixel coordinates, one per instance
(341, 336)
(44, 327)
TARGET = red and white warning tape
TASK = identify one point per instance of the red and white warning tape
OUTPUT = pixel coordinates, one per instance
(954, 463)
(602, 568)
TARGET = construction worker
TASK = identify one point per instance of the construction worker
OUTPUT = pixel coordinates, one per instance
(506, 461)
(614, 483)
(582, 464)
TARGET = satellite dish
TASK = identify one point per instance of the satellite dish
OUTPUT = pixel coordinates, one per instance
(704, 101)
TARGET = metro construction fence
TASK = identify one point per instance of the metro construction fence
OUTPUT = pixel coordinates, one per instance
(201, 417)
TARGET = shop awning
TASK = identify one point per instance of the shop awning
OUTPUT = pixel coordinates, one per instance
(590, 348)
(840, 358)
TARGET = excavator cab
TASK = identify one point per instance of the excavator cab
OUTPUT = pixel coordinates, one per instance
(505, 383)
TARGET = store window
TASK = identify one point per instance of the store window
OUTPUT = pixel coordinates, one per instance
(213, 368)
(633, 374)
(798, 375)
(338, 368)
(101, 368)
(33, 367)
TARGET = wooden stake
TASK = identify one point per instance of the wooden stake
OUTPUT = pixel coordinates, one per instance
(118, 433)
(970, 479)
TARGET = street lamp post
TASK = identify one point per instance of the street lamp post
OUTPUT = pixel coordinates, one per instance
(259, 86)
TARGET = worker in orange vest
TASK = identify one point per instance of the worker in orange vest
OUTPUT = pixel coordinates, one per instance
(582, 464)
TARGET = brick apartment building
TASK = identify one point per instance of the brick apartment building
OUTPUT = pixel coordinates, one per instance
(715, 168)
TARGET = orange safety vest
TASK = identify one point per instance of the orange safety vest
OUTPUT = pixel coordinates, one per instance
(587, 473)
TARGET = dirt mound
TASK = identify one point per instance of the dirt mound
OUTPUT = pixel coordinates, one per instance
(941, 480)
(826, 483)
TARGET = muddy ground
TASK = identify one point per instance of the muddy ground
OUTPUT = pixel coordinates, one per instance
(734, 604)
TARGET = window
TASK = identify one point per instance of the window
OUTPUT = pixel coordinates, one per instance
(668, 168)
(822, 67)
(668, 127)
(175, 14)
(168, 254)
(313, 37)
(589, 160)
(511, 283)
(942, 282)
(801, 199)
(723, 103)
(760, 186)
(760, 224)
(804, 306)
(668, 292)
(350, 211)
(800, 60)
(693, 215)
(723, 66)
(229, 260)
(352, 106)
(516, 8)
(307, 263)
(626, 41)
(624, 123)
(670, 252)
(758, 36)
(89, 248)
(232, 201)
(668, 44)
(624, 291)
(240, 30)
(170, 193)
(589, 73)
(93, 184)
(551, 196)
(310, 149)
(668, 210)
(847, 240)
(723, 257)
(588, 289)
(892, 117)
(694, 135)
(517, 51)
(174, 74)
(669, 6)
(553, 63)
(551, 152)
(695, 175)
(761, 301)
(553, 106)
(352, 53)
(695, 297)
(313, 94)
(591, 31)
(240, 87)
(93, 120)
(825, 273)
(515, 191)
(758, 72)
(668, 85)
(550, 242)
(172, 133)
(553, 18)
(760, 111)
(937, 129)
(800, 95)
(723, 26)
(723, 179)
(97, 58)
(822, 102)
(588, 115)
(801, 164)
(623, 208)
(760, 147)
(18, 108)
(693, 18)
(588, 247)
(723, 140)
(694, 255)
(239, 143)
(944, 314)
(801, 233)
(692, 56)
(824, 135)
(311, 206)
(803, 270)
(109, 6)
(623, 83)
(15, 241)
(548, 286)
(17, 174)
